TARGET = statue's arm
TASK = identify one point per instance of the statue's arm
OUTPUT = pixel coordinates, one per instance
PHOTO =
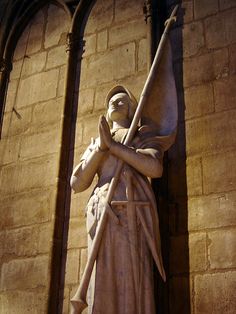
(143, 160)
(85, 171)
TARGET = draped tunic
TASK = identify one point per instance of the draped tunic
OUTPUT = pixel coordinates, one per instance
(122, 280)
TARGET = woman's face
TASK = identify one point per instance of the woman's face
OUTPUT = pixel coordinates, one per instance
(118, 107)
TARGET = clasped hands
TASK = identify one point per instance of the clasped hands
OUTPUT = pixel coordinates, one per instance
(105, 137)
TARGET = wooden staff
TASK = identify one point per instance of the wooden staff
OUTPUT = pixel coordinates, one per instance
(78, 302)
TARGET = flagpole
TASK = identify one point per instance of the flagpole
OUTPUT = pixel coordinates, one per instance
(78, 302)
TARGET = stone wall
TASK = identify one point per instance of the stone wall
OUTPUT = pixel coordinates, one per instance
(202, 172)
(29, 160)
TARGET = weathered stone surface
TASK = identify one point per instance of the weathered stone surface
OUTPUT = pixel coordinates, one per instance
(194, 176)
(89, 45)
(57, 24)
(42, 172)
(9, 150)
(40, 144)
(62, 82)
(214, 169)
(17, 69)
(124, 33)
(34, 64)
(226, 4)
(107, 67)
(90, 129)
(73, 261)
(214, 293)
(212, 211)
(188, 11)
(22, 44)
(213, 133)
(190, 46)
(83, 261)
(222, 253)
(142, 55)
(203, 8)
(220, 29)
(11, 95)
(28, 241)
(188, 254)
(232, 59)
(34, 43)
(127, 10)
(225, 95)
(26, 209)
(38, 87)
(102, 40)
(56, 57)
(85, 103)
(15, 123)
(47, 114)
(24, 273)
(205, 68)
(100, 17)
(79, 134)
(16, 302)
(77, 237)
(198, 101)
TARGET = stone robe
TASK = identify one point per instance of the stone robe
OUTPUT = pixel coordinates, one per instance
(122, 281)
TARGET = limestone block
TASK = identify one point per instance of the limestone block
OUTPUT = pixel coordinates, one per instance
(215, 293)
(215, 168)
(193, 30)
(16, 302)
(15, 123)
(125, 33)
(28, 240)
(47, 114)
(72, 268)
(89, 45)
(126, 10)
(77, 237)
(212, 133)
(56, 57)
(225, 95)
(11, 95)
(142, 55)
(26, 209)
(90, 129)
(17, 69)
(212, 211)
(203, 8)
(220, 29)
(83, 261)
(38, 87)
(222, 253)
(102, 40)
(188, 254)
(40, 144)
(232, 59)
(107, 67)
(85, 101)
(205, 68)
(62, 82)
(180, 295)
(198, 101)
(21, 46)
(34, 64)
(36, 33)
(24, 273)
(100, 17)
(29, 175)
(65, 306)
(57, 24)
(9, 150)
(226, 4)
(188, 11)
(79, 134)
(194, 176)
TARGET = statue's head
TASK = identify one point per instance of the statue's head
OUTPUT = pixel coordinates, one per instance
(121, 104)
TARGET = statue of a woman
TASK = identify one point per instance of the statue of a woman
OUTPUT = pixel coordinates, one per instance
(122, 282)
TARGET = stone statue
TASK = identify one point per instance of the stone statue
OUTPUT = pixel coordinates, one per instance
(129, 237)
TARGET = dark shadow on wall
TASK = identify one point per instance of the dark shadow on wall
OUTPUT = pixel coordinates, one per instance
(173, 297)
